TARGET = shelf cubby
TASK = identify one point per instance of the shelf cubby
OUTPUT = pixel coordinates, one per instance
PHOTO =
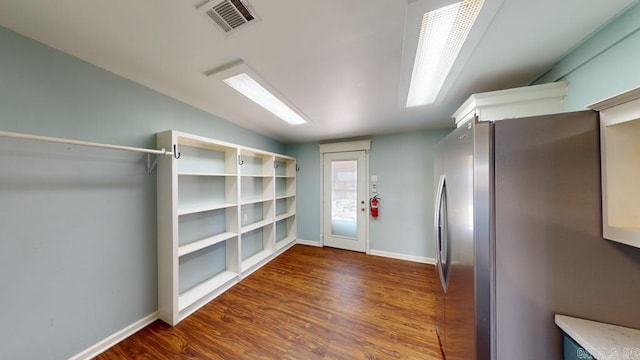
(199, 271)
(255, 188)
(285, 187)
(285, 167)
(256, 163)
(208, 286)
(256, 246)
(198, 193)
(285, 232)
(285, 207)
(198, 157)
(198, 230)
(280, 167)
(256, 214)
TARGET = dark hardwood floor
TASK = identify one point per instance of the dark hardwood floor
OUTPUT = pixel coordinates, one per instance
(308, 303)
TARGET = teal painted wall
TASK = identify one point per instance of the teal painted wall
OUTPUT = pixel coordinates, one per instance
(46, 92)
(610, 73)
(604, 65)
(308, 190)
(404, 166)
(78, 225)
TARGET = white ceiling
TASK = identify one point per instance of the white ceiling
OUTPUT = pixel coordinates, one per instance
(338, 61)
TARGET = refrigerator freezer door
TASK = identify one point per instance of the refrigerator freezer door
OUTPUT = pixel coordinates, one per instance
(454, 159)
(550, 256)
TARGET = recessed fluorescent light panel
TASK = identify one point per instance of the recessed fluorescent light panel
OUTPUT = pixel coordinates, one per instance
(442, 35)
(247, 86)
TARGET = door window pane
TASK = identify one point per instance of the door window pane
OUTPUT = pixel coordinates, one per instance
(344, 198)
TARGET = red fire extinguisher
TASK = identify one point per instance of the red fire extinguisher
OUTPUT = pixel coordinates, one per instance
(373, 204)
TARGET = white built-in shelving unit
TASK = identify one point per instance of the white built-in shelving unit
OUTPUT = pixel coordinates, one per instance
(224, 210)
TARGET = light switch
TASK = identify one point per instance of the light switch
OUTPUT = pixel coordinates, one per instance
(374, 178)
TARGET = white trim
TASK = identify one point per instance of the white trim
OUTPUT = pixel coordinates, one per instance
(114, 339)
(367, 191)
(615, 100)
(362, 145)
(419, 259)
(309, 242)
(511, 103)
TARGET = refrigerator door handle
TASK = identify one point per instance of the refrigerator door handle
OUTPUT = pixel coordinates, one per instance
(439, 230)
(436, 220)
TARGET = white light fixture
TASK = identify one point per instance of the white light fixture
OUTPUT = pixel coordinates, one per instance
(247, 86)
(442, 35)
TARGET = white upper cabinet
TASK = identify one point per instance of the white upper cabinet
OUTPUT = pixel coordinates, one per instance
(620, 151)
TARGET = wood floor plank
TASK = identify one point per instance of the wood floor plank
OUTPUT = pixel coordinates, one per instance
(308, 303)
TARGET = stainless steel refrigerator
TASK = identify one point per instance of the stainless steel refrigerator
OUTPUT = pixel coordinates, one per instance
(509, 194)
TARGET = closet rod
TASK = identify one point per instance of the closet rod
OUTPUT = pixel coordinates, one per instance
(83, 143)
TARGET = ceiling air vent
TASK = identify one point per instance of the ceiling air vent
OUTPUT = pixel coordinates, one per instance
(229, 14)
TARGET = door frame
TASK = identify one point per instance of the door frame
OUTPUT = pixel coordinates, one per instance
(360, 145)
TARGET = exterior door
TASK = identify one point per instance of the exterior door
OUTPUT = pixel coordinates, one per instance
(345, 200)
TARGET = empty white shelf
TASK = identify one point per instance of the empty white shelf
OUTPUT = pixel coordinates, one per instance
(284, 242)
(192, 173)
(256, 225)
(280, 197)
(204, 207)
(201, 244)
(256, 175)
(201, 290)
(255, 259)
(285, 215)
(254, 201)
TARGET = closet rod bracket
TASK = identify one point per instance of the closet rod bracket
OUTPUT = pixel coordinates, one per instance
(152, 163)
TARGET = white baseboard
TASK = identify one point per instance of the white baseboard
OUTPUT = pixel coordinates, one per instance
(420, 259)
(112, 340)
(308, 242)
